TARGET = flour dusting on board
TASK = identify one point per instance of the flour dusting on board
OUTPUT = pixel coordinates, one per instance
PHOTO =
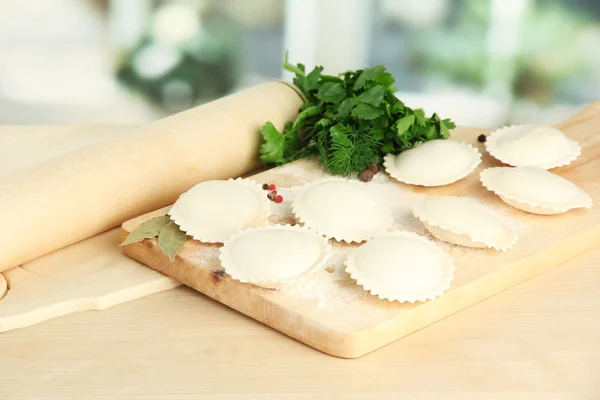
(281, 213)
(206, 256)
(329, 289)
(300, 175)
(399, 200)
(505, 213)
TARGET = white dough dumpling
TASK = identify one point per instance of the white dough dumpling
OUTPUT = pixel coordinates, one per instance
(543, 147)
(341, 209)
(212, 211)
(401, 266)
(433, 163)
(464, 221)
(535, 190)
(274, 256)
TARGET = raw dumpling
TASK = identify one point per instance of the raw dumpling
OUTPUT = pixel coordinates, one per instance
(433, 163)
(535, 190)
(464, 221)
(212, 211)
(532, 146)
(401, 266)
(341, 209)
(274, 256)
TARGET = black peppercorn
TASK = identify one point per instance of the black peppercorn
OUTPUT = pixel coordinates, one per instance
(366, 175)
(481, 138)
(374, 168)
(265, 186)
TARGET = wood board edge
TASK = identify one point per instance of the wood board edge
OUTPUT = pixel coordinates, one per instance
(359, 343)
(481, 289)
(213, 284)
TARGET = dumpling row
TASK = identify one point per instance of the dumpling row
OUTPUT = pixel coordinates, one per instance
(397, 266)
(528, 186)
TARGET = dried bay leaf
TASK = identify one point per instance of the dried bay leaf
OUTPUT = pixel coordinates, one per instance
(171, 239)
(147, 230)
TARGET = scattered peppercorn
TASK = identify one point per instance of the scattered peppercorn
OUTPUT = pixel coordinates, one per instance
(274, 192)
(272, 187)
(481, 138)
(374, 168)
(366, 175)
(265, 186)
(271, 196)
(278, 199)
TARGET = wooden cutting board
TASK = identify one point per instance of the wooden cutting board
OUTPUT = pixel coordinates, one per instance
(332, 314)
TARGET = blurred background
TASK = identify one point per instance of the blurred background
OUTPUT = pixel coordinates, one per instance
(484, 63)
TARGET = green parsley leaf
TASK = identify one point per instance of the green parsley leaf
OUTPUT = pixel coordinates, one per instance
(307, 113)
(378, 134)
(373, 96)
(449, 124)
(291, 142)
(273, 148)
(331, 92)
(431, 134)
(365, 111)
(385, 79)
(444, 130)
(398, 107)
(404, 124)
(329, 78)
(387, 147)
(298, 70)
(366, 75)
(420, 121)
(312, 79)
(345, 108)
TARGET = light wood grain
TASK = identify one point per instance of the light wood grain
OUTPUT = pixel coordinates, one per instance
(3, 286)
(536, 341)
(367, 323)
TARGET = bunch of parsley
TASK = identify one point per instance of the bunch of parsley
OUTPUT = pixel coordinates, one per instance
(351, 121)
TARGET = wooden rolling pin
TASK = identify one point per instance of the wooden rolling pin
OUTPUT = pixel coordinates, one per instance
(95, 188)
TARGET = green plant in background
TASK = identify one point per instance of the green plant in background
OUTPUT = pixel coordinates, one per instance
(556, 54)
(559, 55)
(455, 52)
(177, 73)
(188, 81)
(350, 121)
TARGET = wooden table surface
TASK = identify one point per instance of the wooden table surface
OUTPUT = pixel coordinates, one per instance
(539, 340)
